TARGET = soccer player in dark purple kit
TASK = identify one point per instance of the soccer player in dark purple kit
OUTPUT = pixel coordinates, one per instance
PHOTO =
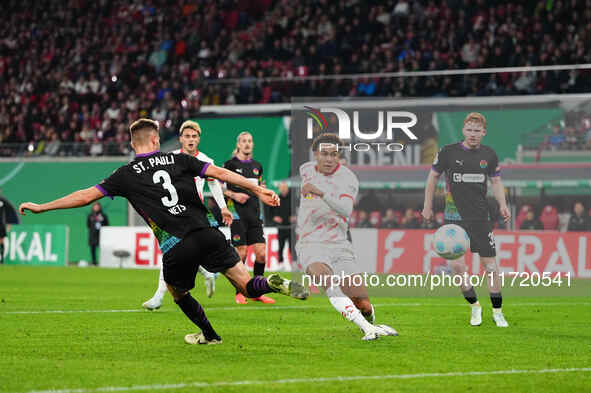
(161, 188)
(467, 166)
(247, 227)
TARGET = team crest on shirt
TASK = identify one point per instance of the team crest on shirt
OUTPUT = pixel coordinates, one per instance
(236, 238)
(255, 171)
(483, 164)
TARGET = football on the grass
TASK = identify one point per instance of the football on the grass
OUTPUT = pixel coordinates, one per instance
(451, 241)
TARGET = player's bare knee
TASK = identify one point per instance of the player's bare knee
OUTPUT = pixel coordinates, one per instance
(458, 266)
(259, 251)
(320, 274)
(491, 267)
(260, 255)
(242, 252)
(363, 304)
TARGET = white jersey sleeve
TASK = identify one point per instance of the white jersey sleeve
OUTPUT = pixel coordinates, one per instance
(326, 220)
(214, 185)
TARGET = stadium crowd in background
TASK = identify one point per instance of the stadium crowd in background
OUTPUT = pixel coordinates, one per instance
(79, 71)
(547, 219)
(579, 220)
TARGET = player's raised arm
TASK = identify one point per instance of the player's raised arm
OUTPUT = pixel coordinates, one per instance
(267, 196)
(76, 199)
(342, 205)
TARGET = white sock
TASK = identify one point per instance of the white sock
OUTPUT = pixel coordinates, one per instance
(206, 273)
(345, 306)
(161, 291)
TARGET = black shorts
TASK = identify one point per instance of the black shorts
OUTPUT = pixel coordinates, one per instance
(247, 232)
(205, 247)
(481, 236)
(2, 231)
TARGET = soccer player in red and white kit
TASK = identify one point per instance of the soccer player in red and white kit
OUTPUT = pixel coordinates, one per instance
(323, 246)
(189, 137)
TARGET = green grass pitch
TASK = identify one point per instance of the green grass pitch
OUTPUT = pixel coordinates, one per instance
(292, 346)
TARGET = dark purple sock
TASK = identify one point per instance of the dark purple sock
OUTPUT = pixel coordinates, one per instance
(258, 268)
(257, 286)
(196, 314)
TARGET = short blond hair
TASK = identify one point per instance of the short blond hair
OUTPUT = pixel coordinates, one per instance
(475, 117)
(193, 125)
(139, 128)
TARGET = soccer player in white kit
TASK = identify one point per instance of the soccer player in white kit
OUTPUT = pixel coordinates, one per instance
(324, 250)
(190, 136)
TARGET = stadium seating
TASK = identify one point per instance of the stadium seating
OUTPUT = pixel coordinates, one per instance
(549, 217)
(73, 82)
(522, 215)
(354, 218)
(375, 218)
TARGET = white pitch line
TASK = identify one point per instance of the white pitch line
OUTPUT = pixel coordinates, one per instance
(271, 308)
(159, 387)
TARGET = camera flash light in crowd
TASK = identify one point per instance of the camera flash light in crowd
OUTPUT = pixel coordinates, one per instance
(451, 241)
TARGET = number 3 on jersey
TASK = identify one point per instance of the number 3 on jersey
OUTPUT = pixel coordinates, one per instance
(163, 177)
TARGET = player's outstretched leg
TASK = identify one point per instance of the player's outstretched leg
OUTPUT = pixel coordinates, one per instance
(209, 281)
(193, 310)
(259, 285)
(458, 267)
(259, 269)
(239, 298)
(322, 274)
(494, 289)
(155, 302)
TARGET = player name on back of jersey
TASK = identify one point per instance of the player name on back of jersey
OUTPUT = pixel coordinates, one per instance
(153, 162)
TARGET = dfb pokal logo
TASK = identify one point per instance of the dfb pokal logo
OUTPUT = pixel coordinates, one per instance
(387, 121)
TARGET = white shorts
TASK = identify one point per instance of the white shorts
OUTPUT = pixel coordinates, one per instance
(339, 257)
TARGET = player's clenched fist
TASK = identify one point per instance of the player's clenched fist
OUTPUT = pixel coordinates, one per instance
(268, 196)
(310, 188)
(33, 207)
(427, 213)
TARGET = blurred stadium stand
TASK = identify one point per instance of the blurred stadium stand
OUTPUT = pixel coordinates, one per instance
(79, 71)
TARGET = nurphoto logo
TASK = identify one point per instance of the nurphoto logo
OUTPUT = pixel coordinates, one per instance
(387, 123)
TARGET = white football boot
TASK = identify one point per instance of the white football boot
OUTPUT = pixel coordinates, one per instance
(378, 331)
(476, 317)
(499, 319)
(199, 338)
(152, 304)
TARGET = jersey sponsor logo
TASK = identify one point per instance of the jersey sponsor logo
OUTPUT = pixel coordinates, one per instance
(256, 171)
(483, 164)
(468, 178)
